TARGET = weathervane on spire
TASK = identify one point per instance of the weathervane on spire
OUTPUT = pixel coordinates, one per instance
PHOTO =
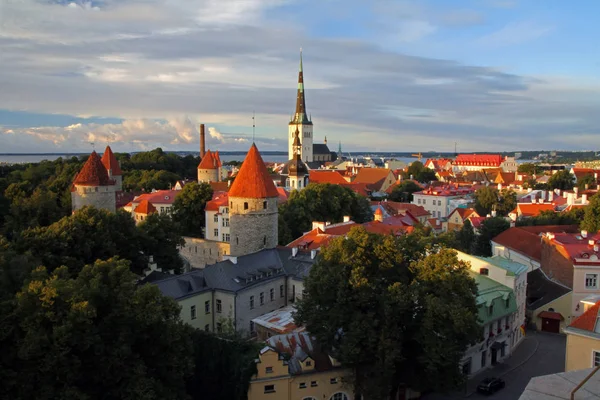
(253, 127)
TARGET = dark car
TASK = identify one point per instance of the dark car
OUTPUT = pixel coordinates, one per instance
(490, 385)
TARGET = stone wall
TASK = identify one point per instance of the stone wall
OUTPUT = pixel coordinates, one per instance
(202, 252)
(556, 263)
(97, 196)
(253, 228)
(208, 175)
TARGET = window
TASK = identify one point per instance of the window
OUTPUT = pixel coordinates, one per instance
(216, 232)
(484, 271)
(333, 381)
(226, 237)
(439, 202)
(262, 298)
(207, 307)
(308, 363)
(219, 306)
(251, 302)
(272, 294)
(281, 291)
(418, 201)
(245, 205)
(219, 327)
(269, 388)
(424, 201)
(302, 385)
(264, 205)
(491, 309)
(206, 328)
(339, 396)
(314, 384)
(596, 358)
(591, 281)
(193, 312)
(225, 221)
(216, 218)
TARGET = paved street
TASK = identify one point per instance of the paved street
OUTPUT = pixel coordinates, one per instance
(549, 358)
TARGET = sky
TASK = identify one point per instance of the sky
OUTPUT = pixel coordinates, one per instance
(380, 75)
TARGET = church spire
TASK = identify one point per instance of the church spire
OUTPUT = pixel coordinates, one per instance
(300, 116)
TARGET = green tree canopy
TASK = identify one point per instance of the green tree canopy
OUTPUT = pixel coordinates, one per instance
(323, 202)
(490, 228)
(465, 237)
(404, 191)
(160, 238)
(488, 198)
(188, 208)
(587, 182)
(96, 336)
(572, 217)
(529, 169)
(149, 179)
(417, 171)
(391, 313)
(563, 180)
(591, 218)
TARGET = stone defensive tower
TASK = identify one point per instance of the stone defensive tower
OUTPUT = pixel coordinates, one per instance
(209, 167)
(113, 168)
(253, 207)
(93, 187)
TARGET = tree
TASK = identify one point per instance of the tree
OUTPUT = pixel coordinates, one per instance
(404, 191)
(42, 208)
(490, 228)
(563, 180)
(465, 237)
(159, 237)
(486, 199)
(323, 202)
(417, 171)
(529, 169)
(591, 218)
(188, 208)
(391, 313)
(586, 182)
(507, 201)
(96, 336)
(571, 217)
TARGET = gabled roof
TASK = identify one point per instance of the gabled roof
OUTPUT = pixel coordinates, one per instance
(253, 180)
(372, 176)
(321, 148)
(222, 186)
(532, 209)
(394, 208)
(297, 347)
(145, 207)
(110, 162)
(93, 173)
(219, 199)
(476, 221)
(464, 213)
(541, 290)
(158, 197)
(325, 176)
(526, 240)
(217, 159)
(208, 161)
(588, 321)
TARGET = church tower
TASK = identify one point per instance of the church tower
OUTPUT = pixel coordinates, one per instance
(297, 171)
(252, 207)
(301, 121)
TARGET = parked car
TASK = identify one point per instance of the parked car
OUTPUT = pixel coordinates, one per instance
(490, 385)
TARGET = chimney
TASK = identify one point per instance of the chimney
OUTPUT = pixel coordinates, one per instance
(378, 215)
(550, 197)
(596, 248)
(584, 234)
(494, 213)
(564, 194)
(347, 217)
(202, 141)
(576, 190)
(533, 199)
(313, 254)
(317, 224)
(294, 251)
(591, 242)
(499, 186)
(584, 199)
(570, 198)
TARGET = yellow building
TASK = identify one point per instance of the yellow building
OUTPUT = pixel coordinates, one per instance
(583, 340)
(292, 367)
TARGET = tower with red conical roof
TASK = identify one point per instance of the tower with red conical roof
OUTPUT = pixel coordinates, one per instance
(209, 168)
(253, 207)
(93, 186)
(113, 167)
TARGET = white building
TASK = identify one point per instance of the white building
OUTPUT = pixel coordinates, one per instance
(437, 200)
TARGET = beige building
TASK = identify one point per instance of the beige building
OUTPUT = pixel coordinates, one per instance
(548, 303)
(457, 218)
(583, 340)
(293, 366)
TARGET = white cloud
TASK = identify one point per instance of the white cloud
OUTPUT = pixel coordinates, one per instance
(516, 33)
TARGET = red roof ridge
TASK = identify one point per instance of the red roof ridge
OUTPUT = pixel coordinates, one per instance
(145, 207)
(587, 320)
(253, 180)
(208, 161)
(93, 173)
(110, 162)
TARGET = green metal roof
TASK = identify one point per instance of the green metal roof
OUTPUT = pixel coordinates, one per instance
(513, 268)
(490, 292)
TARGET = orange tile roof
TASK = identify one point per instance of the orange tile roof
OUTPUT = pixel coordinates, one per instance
(317, 176)
(218, 159)
(394, 208)
(93, 173)
(110, 162)
(532, 209)
(465, 212)
(358, 188)
(219, 186)
(145, 207)
(378, 211)
(526, 239)
(159, 197)
(372, 175)
(581, 172)
(476, 221)
(208, 161)
(253, 180)
(220, 199)
(587, 320)
(283, 195)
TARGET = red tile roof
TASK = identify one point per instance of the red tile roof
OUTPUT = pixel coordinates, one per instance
(587, 320)
(208, 161)
(158, 197)
(93, 173)
(145, 207)
(578, 247)
(358, 188)
(318, 176)
(372, 176)
(253, 180)
(219, 186)
(476, 221)
(484, 160)
(395, 208)
(532, 209)
(110, 162)
(218, 159)
(220, 199)
(581, 172)
(464, 213)
(550, 315)
(283, 195)
(526, 240)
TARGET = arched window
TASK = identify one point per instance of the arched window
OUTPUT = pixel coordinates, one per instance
(339, 396)
(245, 205)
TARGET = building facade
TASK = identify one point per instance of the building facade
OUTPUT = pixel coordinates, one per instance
(583, 340)
(436, 201)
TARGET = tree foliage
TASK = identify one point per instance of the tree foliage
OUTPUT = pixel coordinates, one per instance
(417, 171)
(404, 191)
(490, 228)
(587, 182)
(149, 179)
(323, 202)
(188, 208)
(489, 198)
(465, 237)
(390, 312)
(563, 180)
(591, 218)
(160, 238)
(96, 336)
(572, 217)
(529, 169)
